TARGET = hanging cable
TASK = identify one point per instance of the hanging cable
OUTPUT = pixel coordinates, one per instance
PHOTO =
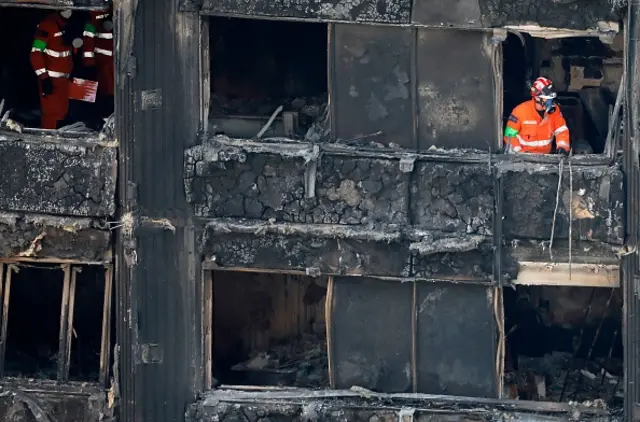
(555, 211)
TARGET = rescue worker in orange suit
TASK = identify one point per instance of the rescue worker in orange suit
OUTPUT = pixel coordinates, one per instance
(534, 124)
(52, 61)
(98, 57)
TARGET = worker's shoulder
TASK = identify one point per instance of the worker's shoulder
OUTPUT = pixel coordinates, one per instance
(522, 108)
(48, 21)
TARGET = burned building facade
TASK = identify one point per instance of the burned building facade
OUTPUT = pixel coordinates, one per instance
(301, 210)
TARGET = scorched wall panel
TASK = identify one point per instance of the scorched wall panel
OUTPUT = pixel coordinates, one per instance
(371, 334)
(372, 94)
(456, 340)
(456, 106)
(54, 178)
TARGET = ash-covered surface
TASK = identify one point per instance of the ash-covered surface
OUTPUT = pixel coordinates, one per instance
(43, 236)
(225, 182)
(70, 404)
(388, 11)
(302, 362)
(471, 265)
(597, 203)
(582, 15)
(55, 178)
(359, 405)
(453, 197)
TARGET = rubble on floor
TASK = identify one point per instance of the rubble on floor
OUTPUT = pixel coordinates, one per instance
(302, 363)
(558, 377)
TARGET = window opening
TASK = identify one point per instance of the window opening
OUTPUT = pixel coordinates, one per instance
(45, 64)
(564, 344)
(268, 329)
(56, 321)
(586, 75)
(258, 66)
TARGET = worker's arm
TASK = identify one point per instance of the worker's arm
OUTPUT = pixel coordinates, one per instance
(89, 42)
(561, 131)
(38, 48)
(511, 133)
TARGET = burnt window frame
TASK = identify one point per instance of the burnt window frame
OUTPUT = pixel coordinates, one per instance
(204, 68)
(70, 270)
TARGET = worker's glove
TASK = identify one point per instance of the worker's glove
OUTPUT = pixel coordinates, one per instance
(47, 86)
(562, 151)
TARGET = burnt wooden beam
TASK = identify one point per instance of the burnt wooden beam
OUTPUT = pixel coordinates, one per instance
(11, 268)
(63, 369)
(105, 342)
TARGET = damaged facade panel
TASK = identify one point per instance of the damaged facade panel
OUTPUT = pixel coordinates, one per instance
(47, 237)
(579, 15)
(342, 190)
(596, 203)
(473, 261)
(454, 105)
(52, 178)
(372, 96)
(384, 11)
(326, 254)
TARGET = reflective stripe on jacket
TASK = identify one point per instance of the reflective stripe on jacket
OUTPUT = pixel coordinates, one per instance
(49, 55)
(526, 131)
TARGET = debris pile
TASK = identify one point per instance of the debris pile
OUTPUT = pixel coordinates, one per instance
(301, 363)
(558, 377)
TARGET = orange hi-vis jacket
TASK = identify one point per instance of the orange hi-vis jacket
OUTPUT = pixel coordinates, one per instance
(98, 51)
(49, 55)
(526, 131)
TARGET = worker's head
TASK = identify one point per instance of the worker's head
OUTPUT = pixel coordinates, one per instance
(543, 94)
(66, 13)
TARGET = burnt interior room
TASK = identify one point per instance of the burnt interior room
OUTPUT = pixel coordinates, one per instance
(34, 322)
(18, 81)
(586, 75)
(564, 344)
(269, 329)
(259, 65)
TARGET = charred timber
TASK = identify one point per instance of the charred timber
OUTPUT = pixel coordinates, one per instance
(300, 405)
(46, 237)
(57, 178)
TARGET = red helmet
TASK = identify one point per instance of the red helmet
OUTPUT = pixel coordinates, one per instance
(542, 88)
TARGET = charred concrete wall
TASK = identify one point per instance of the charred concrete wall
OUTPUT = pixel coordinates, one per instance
(464, 13)
(57, 178)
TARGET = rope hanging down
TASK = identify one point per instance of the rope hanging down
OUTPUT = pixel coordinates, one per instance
(555, 211)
